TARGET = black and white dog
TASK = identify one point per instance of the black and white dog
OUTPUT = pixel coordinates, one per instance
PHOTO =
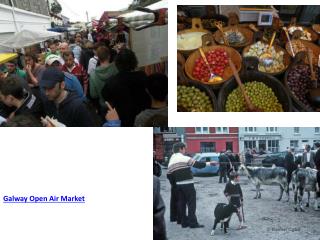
(222, 214)
(267, 176)
(304, 180)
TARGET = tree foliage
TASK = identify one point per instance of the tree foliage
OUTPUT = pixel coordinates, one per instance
(56, 8)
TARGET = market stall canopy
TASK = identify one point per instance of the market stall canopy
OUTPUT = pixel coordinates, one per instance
(138, 18)
(6, 57)
(27, 38)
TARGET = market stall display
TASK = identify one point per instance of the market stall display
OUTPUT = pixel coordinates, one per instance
(196, 69)
(194, 97)
(264, 56)
(191, 39)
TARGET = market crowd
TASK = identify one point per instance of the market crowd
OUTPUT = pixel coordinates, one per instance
(86, 80)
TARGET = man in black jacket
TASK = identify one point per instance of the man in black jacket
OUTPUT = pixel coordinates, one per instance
(317, 165)
(289, 164)
(13, 94)
(67, 107)
(224, 162)
(180, 168)
(248, 157)
(126, 90)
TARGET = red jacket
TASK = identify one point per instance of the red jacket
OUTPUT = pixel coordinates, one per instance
(79, 71)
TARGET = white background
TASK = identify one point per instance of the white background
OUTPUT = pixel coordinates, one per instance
(110, 166)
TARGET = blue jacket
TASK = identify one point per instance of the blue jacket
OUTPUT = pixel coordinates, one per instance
(72, 83)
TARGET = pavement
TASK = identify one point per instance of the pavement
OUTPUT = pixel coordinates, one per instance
(266, 218)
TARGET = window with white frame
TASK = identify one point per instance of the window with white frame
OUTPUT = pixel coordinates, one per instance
(250, 129)
(202, 130)
(222, 130)
(272, 129)
(317, 130)
(296, 130)
(273, 145)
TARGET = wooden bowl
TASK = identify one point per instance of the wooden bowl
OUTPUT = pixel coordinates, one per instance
(196, 27)
(308, 45)
(248, 34)
(235, 57)
(314, 35)
(316, 28)
(286, 58)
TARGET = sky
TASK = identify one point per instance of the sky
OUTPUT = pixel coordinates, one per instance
(76, 9)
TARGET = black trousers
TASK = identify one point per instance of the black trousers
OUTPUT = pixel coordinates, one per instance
(223, 175)
(318, 182)
(187, 199)
(175, 216)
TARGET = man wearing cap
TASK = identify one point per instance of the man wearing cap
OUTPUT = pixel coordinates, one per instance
(67, 107)
(71, 81)
(12, 94)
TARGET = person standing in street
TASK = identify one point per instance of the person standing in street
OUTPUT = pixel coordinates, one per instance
(223, 161)
(180, 168)
(317, 166)
(248, 157)
(308, 157)
(289, 164)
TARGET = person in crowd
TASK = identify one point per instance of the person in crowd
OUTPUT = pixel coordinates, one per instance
(77, 46)
(64, 47)
(180, 168)
(159, 226)
(126, 90)
(308, 157)
(33, 69)
(76, 69)
(248, 158)
(94, 61)
(234, 195)
(90, 38)
(289, 164)
(53, 49)
(236, 162)
(86, 54)
(101, 75)
(72, 83)
(223, 163)
(14, 95)
(317, 166)
(231, 160)
(67, 107)
(157, 88)
(13, 69)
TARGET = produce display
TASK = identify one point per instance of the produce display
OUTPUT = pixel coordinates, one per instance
(299, 82)
(316, 28)
(193, 100)
(261, 96)
(297, 47)
(234, 37)
(218, 60)
(305, 34)
(259, 48)
(189, 41)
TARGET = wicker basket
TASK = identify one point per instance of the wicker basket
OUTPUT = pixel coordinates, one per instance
(286, 58)
(308, 45)
(314, 35)
(235, 56)
(196, 27)
(248, 34)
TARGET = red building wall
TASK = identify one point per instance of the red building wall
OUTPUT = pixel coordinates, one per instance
(193, 139)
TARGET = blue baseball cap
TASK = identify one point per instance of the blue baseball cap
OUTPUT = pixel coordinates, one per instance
(50, 77)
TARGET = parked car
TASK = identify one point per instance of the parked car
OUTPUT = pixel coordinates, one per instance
(211, 157)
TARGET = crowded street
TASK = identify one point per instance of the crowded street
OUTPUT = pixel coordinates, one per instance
(265, 218)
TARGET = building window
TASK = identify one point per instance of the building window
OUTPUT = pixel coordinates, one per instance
(229, 146)
(249, 144)
(273, 145)
(202, 130)
(250, 129)
(222, 130)
(207, 147)
(294, 143)
(272, 129)
(296, 130)
(317, 130)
